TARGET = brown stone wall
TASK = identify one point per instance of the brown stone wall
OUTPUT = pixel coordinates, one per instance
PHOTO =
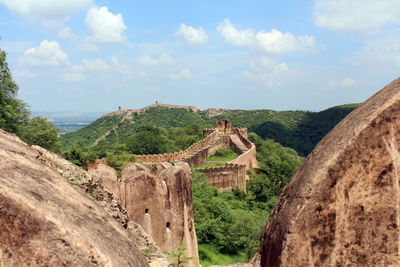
(243, 131)
(171, 157)
(200, 156)
(140, 110)
(224, 126)
(249, 157)
(226, 178)
(161, 202)
(208, 131)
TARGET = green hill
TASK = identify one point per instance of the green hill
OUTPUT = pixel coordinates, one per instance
(300, 130)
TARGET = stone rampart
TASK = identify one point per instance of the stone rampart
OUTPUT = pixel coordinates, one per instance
(248, 158)
(200, 156)
(180, 155)
(140, 110)
(208, 131)
(227, 178)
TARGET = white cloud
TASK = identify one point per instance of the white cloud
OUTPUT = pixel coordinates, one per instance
(380, 54)
(164, 59)
(262, 64)
(184, 74)
(121, 67)
(366, 16)
(59, 27)
(273, 42)
(347, 82)
(105, 26)
(192, 35)
(48, 53)
(95, 64)
(147, 60)
(266, 71)
(73, 77)
(46, 9)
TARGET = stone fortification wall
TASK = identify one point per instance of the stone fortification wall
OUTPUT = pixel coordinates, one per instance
(226, 178)
(187, 153)
(140, 110)
(208, 131)
(248, 158)
(159, 200)
(200, 156)
(243, 131)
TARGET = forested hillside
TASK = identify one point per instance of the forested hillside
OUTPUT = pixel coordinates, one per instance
(300, 130)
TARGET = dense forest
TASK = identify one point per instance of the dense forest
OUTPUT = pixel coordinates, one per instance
(300, 130)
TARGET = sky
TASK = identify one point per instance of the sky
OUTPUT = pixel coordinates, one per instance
(93, 55)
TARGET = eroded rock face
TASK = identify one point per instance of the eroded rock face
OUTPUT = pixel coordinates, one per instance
(162, 204)
(342, 206)
(46, 221)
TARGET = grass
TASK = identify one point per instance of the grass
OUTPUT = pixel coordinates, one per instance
(209, 255)
(209, 165)
(223, 154)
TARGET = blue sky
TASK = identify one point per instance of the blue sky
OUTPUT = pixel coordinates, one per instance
(90, 55)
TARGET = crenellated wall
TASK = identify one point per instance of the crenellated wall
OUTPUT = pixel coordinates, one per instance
(140, 110)
(227, 178)
(248, 158)
(187, 153)
(224, 178)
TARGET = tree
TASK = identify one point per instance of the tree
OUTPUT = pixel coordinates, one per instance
(277, 164)
(13, 112)
(147, 140)
(39, 131)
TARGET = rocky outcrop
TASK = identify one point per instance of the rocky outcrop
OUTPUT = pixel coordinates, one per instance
(342, 206)
(47, 221)
(161, 204)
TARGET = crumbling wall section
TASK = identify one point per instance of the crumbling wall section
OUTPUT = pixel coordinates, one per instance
(227, 178)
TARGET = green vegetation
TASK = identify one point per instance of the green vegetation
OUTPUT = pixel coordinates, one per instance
(13, 112)
(39, 131)
(229, 224)
(209, 255)
(145, 140)
(300, 130)
(179, 257)
(224, 154)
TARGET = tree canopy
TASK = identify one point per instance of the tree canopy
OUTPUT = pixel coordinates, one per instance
(13, 112)
(38, 131)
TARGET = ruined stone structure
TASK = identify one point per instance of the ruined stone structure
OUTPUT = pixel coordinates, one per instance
(222, 136)
(140, 110)
(342, 206)
(159, 200)
(224, 127)
(227, 178)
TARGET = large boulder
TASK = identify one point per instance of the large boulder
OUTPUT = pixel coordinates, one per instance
(342, 206)
(47, 221)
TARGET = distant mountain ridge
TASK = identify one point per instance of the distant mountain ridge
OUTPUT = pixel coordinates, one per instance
(300, 130)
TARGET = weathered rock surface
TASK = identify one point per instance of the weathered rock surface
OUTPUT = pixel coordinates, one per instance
(46, 221)
(342, 206)
(161, 204)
